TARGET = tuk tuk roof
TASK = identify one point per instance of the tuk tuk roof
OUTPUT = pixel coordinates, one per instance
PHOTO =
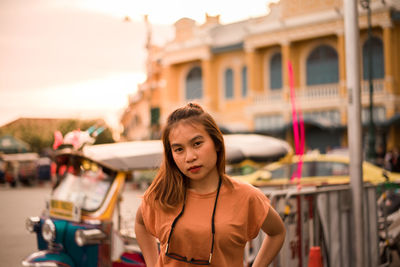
(149, 154)
(127, 155)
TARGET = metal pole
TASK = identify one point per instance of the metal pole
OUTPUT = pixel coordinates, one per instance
(354, 126)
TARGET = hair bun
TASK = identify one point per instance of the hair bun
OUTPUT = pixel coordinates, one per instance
(194, 105)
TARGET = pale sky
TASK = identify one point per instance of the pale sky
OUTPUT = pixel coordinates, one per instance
(79, 59)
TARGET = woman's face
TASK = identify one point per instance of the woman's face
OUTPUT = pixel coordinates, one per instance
(194, 152)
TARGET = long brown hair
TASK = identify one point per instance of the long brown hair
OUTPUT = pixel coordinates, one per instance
(168, 187)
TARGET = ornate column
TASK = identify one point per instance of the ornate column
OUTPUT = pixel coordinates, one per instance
(287, 114)
(252, 69)
(390, 80)
(285, 48)
(342, 75)
(210, 92)
(169, 93)
(388, 57)
(342, 63)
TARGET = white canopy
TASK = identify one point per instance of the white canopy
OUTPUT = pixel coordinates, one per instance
(256, 147)
(127, 155)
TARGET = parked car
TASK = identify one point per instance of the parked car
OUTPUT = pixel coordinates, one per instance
(316, 170)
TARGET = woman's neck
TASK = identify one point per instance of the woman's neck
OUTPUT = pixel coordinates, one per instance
(204, 187)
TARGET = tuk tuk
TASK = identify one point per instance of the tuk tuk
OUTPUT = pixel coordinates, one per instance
(81, 224)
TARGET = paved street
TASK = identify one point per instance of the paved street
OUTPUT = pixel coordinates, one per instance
(19, 203)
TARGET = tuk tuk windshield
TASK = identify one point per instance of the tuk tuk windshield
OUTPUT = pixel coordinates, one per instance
(86, 189)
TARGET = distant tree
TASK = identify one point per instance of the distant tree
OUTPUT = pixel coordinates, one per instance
(105, 137)
(67, 126)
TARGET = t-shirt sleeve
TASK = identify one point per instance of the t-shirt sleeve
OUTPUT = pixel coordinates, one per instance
(259, 206)
(149, 218)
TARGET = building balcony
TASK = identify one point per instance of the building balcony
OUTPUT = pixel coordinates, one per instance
(326, 96)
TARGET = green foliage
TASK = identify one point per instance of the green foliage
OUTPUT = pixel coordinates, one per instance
(105, 137)
(68, 126)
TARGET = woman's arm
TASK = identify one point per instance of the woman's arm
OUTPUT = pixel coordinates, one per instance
(147, 242)
(274, 228)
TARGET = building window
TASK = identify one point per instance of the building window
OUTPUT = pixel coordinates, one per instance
(244, 81)
(378, 69)
(194, 84)
(229, 84)
(275, 72)
(155, 116)
(322, 66)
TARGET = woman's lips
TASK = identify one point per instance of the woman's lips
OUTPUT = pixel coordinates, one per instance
(194, 169)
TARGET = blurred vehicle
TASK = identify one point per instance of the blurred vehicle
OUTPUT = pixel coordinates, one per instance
(20, 167)
(244, 167)
(27, 172)
(44, 169)
(316, 170)
(81, 224)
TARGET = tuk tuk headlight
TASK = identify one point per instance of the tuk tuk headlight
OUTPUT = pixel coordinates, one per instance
(89, 237)
(49, 231)
(32, 224)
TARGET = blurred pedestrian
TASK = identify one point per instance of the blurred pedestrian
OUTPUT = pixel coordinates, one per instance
(199, 214)
(392, 160)
(380, 156)
(11, 174)
(2, 171)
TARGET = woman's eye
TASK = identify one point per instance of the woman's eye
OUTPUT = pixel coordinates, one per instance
(177, 150)
(198, 143)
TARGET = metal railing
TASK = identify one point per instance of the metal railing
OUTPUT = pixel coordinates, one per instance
(321, 217)
(378, 85)
(324, 91)
(316, 93)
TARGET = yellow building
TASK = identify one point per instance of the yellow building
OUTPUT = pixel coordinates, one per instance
(239, 72)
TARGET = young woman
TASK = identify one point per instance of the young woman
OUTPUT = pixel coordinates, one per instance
(200, 215)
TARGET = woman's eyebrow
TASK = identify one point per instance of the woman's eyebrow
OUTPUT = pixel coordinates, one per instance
(175, 145)
(197, 137)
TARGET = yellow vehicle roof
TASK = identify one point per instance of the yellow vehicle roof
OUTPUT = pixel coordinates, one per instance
(371, 173)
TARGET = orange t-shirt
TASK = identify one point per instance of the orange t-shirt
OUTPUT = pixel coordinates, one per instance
(239, 214)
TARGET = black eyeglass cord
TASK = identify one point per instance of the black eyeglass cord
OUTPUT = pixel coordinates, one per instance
(212, 221)
(213, 217)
